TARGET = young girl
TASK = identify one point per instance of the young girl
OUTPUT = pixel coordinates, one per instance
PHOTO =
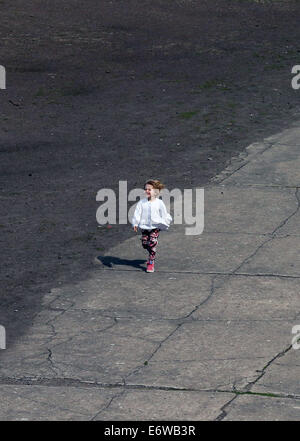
(151, 216)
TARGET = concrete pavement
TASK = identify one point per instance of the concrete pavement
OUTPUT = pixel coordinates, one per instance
(208, 336)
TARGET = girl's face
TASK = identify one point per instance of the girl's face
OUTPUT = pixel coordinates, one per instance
(150, 191)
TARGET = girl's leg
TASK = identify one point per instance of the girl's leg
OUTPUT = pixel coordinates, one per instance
(145, 239)
(149, 241)
(153, 242)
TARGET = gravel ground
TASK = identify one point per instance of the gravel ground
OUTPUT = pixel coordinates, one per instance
(123, 90)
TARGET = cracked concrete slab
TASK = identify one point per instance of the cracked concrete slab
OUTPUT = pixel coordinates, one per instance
(252, 298)
(44, 403)
(214, 354)
(130, 294)
(220, 374)
(104, 358)
(99, 323)
(257, 408)
(148, 405)
(259, 211)
(277, 165)
(83, 349)
(291, 227)
(207, 253)
(282, 377)
(280, 256)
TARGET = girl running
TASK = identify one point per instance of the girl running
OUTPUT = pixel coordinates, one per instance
(151, 217)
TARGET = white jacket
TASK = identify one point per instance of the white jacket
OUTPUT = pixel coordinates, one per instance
(149, 215)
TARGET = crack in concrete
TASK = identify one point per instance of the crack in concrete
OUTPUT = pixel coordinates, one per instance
(244, 158)
(223, 413)
(63, 311)
(280, 276)
(138, 368)
(125, 388)
(49, 359)
(273, 234)
(212, 290)
(234, 233)
(231, 174)
(71, 382)
(54, 366)
(119, 395)
(247, 259)
(212, 273)
(263, 371)
(247, 388)
(291, 215)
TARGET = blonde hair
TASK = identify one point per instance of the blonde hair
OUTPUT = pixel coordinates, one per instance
(156, 184)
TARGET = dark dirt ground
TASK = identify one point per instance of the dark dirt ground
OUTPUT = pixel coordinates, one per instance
(99, 92)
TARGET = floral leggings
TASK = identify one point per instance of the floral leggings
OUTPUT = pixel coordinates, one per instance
(150, 241)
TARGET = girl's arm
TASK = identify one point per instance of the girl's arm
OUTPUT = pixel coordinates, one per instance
(163, 212)
(137, 216)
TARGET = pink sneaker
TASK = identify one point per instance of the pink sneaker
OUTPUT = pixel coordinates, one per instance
(150, 266)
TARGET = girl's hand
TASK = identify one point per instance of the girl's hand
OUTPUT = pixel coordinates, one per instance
(135, 228)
